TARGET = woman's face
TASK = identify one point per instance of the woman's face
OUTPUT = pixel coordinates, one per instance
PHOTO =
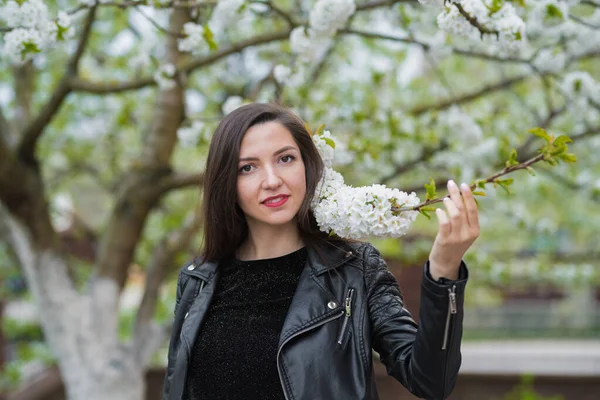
(270, 165)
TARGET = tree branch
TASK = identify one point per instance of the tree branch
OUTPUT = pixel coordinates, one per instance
(32, 133)
(6, 133)
(100, 88)
(139, 192)
(24, 76)
(370, 5)
(425, 156)
(180, 180)
(583, 22)
(135, 3)
(286, 16)
(160, 264)
(474, 22)
(491, 179)
(425, 46)
(470, 96)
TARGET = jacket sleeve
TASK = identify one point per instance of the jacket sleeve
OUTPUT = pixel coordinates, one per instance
(426, 357)
(174, 342)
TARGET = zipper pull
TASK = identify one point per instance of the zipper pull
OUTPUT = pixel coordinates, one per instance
(452, 295)
(349, 302)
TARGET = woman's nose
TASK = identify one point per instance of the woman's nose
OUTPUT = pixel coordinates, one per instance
(271, 178)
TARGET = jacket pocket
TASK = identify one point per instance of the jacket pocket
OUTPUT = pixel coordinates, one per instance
(348, 312)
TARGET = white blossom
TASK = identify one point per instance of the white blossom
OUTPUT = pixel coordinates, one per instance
(194, 38)
(225, 13)
(436, 3)
(231, 104)
(550, 60)
(325, 148)
(189, 136)
(301, 43)
(327, 16)
(282, 73)
(362, 212)
(460, 125)
(33, 30)
(505, 21)
(164, 76)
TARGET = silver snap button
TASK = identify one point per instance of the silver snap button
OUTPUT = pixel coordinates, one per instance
(186, 314)
(332, 305)
(191, 267)
(348, 254)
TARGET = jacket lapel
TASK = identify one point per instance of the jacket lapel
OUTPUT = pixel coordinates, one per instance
(312, 302)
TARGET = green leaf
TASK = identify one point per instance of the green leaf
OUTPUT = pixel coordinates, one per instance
(568, 157)
(540, 132)
(512, 160)
(562, 140)
(480, 183)
(479, 193)
(329, 141)
(431, 190)
(425, 213)
(210, 38)
(504, 183)
(552, 11)
(531, 171)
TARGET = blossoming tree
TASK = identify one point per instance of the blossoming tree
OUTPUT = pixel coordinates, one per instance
(109, 105)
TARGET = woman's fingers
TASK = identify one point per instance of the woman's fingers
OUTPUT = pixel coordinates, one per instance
(443, 222)
(471, 208)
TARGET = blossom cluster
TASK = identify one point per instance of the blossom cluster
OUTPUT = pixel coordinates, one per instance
(33, 31)
(581, 90)
(225, 13)
(504, 20)
(358, 212)
(165, 76)
(311, 42)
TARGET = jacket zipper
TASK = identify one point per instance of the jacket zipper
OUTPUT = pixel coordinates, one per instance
(348, 304)
(336, 316)
(451, 310)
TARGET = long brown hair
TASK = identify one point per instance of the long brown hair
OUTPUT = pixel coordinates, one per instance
(225, 226)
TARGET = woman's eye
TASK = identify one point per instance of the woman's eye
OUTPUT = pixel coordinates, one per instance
(290, 158)
(246, 168)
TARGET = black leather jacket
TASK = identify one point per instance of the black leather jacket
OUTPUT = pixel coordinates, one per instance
(342, 308)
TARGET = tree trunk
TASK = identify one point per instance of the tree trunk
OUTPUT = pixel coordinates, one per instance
(117, 381)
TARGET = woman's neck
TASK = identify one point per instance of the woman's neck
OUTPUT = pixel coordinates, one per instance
(270, 242)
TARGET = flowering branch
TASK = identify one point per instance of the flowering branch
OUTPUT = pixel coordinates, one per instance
(34, 130)
(426, 154)
(80, 85)
(157, 25)
(473, 21)
(465, 98)
(554, 151)
(289, 19)
(192, 4)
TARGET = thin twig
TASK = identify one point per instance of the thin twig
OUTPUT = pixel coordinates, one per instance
(34, 130)
(473, 21)
(491, 179)
(583, 22)
(157, 25)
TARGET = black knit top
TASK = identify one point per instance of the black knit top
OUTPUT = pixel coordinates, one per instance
(235, 354)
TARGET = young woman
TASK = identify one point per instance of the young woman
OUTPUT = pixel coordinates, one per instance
(276, 309)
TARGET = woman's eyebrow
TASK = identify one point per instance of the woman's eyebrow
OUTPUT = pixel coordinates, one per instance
(281, 150)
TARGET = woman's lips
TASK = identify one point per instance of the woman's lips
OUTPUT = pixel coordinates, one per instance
(278, 203)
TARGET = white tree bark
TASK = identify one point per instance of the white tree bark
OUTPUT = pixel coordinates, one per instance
(93, 364)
